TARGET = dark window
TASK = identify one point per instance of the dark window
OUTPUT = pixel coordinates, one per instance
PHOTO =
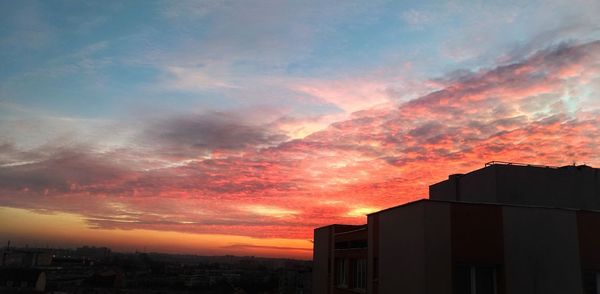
(341, 272)
(485, 280)
(359, 274)
(351, 244)
(591, 281)
(341, 245)
(472, 279)
(358, 244)
(462, 280)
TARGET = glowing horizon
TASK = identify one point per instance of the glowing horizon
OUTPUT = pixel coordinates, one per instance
(215, 127)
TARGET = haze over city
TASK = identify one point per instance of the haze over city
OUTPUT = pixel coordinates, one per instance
(237, 127)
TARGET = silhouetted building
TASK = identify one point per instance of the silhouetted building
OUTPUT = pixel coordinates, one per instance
(93, 253)
(505, 228)
(569, 186)
(105, 279)
(293, 281)
(22, 280)
(25, 257)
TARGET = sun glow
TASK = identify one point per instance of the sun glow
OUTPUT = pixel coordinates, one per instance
(361, 211)
(38, 229)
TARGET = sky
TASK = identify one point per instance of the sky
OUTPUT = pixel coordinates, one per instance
(237, 127)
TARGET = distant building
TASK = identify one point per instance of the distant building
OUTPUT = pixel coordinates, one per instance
(25, 257)
(505, 228)
(293, 281)
(93, 253)
(105, 279)
(22, 280)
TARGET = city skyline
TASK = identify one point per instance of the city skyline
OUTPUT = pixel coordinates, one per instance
(218, 127)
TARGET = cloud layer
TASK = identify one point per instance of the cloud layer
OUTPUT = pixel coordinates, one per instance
(241, 174)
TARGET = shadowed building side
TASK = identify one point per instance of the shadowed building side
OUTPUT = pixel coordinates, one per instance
(564, 187)
(470, 243)
(22, 280)
(340, 259)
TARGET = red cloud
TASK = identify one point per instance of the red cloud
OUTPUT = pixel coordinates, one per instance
(518, 112)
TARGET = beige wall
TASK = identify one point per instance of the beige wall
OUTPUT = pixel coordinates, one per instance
(414, 249)
(402, 250)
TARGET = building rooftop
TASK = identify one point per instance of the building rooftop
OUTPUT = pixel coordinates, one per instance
(571, 186)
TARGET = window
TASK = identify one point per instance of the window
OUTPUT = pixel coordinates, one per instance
(591, 282)
(341, 272)
(358, 244)
(471, 279)
(342, 245)
(360, 274)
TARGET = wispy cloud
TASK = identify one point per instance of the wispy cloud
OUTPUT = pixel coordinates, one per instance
(247, 179)
(269, 118)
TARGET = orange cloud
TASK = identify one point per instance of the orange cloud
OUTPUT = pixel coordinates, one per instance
(253, 183)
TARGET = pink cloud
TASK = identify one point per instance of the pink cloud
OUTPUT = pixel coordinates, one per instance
(253, 181)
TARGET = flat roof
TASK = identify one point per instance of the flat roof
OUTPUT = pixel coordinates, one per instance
(490, 164)
(481, 203)
(493, 164)
(363, 226)
(345, 225)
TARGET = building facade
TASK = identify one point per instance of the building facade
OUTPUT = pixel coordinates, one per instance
(479, 233)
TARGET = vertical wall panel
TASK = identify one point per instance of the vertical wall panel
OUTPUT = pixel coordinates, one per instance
(541, 251)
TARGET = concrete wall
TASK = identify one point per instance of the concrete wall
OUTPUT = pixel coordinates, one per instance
(476, 186)
(373, 254)
(570, 186)
(479, 186)
(444, 190)
(322, 259)
(402, 250)
(414, 248)
(477, 234)
(541, 251)
(566, 187)
(438, 259)
(588, 226)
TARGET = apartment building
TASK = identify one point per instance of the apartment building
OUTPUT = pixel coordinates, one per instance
(505, 228)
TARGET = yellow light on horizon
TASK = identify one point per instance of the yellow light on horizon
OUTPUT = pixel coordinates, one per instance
(361, 211)
(67, 229)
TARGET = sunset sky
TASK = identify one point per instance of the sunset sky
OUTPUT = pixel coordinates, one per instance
(236, 127)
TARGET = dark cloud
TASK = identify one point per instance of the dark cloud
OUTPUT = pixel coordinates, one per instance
(377, 158)
(427, 129)
(196, 134)
(60, 170)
